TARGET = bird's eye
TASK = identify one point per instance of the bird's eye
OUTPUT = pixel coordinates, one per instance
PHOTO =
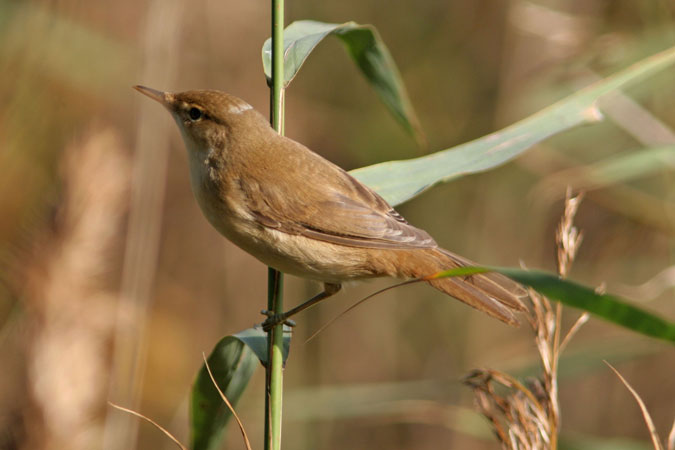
(195, 113)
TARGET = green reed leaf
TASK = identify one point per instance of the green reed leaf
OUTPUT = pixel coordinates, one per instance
(399, 181)
(364, 45)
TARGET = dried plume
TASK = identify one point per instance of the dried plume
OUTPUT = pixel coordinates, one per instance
(526, 415)
(71, 308)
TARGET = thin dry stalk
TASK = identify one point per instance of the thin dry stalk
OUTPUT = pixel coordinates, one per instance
(147, 419)
(247, 443)
(160, 43)
(527, 416)
(656, 440)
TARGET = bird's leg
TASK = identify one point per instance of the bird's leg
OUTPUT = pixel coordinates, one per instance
(329, 289)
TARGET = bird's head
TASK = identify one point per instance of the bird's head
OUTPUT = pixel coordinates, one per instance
(209, 119)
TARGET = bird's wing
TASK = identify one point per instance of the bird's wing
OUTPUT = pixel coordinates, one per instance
(332, 206)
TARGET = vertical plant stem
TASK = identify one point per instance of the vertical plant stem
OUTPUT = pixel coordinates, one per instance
(162, 36)
(554, 413)
(274, 372)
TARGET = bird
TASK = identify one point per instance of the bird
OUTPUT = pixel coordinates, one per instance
(299, 213)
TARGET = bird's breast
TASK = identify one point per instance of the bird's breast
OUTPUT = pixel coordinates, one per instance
(224, 206)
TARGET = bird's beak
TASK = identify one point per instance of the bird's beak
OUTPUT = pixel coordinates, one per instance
(165, 98)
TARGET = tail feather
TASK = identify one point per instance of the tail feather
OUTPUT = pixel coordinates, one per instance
(502, 288)
(476, 298)
(505, 283)
(491, 293)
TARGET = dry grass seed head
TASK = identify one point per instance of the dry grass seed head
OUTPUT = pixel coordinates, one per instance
(527, 416)
(71, 309)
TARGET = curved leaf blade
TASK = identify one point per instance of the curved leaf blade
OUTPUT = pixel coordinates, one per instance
(630, 166)
(232, 363)
(605, 306)
(364, 45)
(399, 181)
(256, 339)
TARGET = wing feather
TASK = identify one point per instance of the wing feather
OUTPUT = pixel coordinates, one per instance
(333, 207)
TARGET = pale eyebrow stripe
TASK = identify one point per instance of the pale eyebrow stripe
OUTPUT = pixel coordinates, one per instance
(239, 108)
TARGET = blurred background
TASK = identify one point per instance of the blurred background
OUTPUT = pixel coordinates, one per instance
(113, 284)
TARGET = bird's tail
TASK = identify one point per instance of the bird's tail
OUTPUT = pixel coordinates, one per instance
(489, 292)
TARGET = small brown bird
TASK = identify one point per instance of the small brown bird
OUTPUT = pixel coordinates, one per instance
(303, 215)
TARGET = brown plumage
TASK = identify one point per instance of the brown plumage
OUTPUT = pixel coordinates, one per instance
(302, 214)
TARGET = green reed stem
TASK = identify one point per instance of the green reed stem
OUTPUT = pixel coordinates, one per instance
(274, 370)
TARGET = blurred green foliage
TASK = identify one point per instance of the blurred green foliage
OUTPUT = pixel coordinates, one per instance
(471, 67)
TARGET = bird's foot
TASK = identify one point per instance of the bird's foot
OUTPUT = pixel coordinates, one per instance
(274, 320)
